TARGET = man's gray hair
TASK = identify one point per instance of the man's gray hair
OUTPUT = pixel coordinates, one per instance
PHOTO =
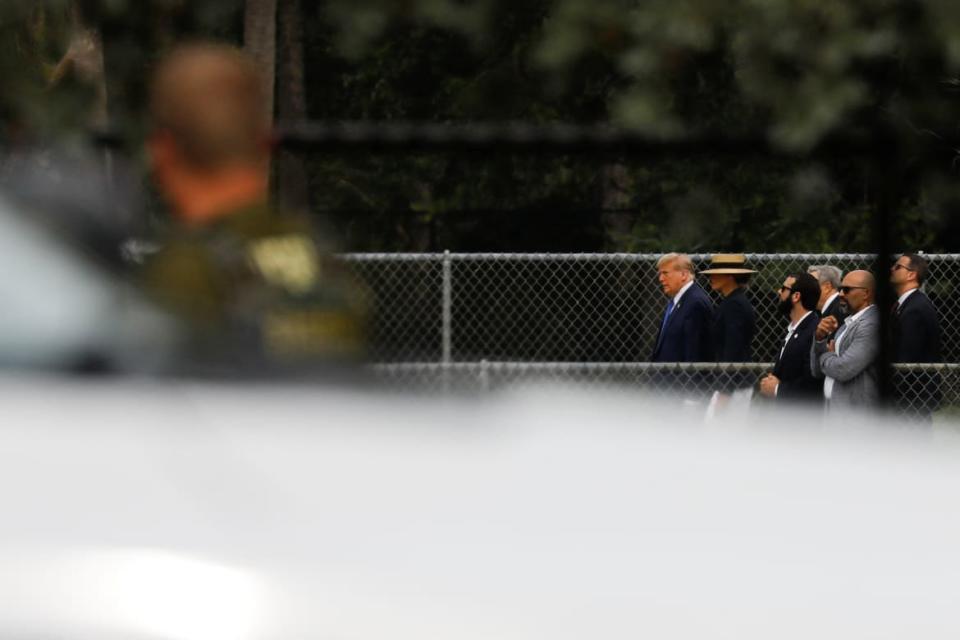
(827, 273)
(681, 261)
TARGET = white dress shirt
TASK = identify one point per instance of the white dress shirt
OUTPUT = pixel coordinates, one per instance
(683, 290)
(790, 330)
(903, 298)
(830, 301)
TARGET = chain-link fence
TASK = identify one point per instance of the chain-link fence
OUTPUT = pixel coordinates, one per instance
(574, 307)
(482, 321)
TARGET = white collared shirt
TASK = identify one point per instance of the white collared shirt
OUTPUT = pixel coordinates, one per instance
(790, 330)
(828, 382)
(903, 298)
(830, 300)
(854, 318)
(683, 290)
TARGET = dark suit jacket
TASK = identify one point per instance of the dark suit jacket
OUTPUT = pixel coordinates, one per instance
(686, 336)
(833, 309)
(797, 381)
(915, 331)
(915, 337)
(734, 324)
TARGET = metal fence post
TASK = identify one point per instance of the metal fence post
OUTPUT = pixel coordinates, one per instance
(447, 319)
(484, 376)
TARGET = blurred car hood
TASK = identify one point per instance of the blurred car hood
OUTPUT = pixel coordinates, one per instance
(182, 510)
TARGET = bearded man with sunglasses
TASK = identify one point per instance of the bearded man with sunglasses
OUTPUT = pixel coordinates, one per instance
(848, 362)
(792, 378)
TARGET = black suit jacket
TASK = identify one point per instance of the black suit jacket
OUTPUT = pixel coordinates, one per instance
(915, 337)
(734, 324)
(833, 309)
(686, 336)
(915, 331)
(797, 381)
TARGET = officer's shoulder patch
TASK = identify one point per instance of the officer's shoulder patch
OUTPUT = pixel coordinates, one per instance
(289, 261)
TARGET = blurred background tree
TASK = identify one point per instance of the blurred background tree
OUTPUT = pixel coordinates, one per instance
(793, 72)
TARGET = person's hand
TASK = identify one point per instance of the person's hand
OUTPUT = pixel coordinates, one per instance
(827, 326)
(832, 346)
(768, 385)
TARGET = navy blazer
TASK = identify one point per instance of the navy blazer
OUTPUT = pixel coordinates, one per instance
(733, 327)
(797, 381)
(833, 309)
(915, 337)
(686, 335)
(915, 331)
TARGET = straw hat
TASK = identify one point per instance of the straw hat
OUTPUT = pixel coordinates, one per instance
(733, 264)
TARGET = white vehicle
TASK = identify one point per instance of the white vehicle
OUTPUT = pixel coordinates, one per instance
(63, 311)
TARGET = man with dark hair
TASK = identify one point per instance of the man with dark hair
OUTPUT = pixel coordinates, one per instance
(914, 335)
(792, 378)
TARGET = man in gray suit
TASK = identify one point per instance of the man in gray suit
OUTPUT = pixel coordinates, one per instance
(848, 362)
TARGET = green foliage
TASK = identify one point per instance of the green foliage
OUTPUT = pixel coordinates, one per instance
(31, 40)
(35, 36)
(794, 71)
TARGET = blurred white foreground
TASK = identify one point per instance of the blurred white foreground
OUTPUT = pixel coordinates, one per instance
(189, 512)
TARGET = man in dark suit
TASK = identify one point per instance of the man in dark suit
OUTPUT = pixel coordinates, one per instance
(684, 334)
(828, 304)
(792, 378)
(914, 336)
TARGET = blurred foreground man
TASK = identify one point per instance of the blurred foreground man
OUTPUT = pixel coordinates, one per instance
(848, 362)
(914, 337)
(792, 378)
(251, 282)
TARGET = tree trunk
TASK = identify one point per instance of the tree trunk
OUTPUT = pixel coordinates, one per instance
(617, 222)
(260, 41)
(84, 62)
(292, 184)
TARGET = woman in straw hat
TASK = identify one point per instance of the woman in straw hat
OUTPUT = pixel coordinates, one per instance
(734, 321)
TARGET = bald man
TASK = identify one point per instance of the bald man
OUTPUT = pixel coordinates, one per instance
(847, 363)
(251, 282)
(209, 144)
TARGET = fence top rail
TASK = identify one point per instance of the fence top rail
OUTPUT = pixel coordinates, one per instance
(601, 257)
(621, 366)
(571, 366)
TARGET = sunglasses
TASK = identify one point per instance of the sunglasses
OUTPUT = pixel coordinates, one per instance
(846, 289)
(785, 288)
(899, 266)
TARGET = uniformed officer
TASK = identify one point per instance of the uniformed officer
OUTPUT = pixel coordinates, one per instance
(251, 282)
